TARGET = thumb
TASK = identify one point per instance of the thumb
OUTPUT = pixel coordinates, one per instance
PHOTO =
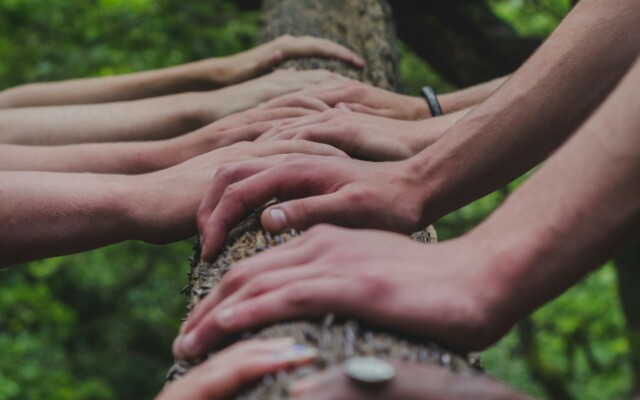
(302, 214)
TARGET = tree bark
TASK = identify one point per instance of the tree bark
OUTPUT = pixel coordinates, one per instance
(366, 27)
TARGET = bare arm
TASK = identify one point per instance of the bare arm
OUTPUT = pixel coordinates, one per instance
(196, 76)
(147, 119)
(363, 98)
(469, 97)
(142, 157)
(536, 110)
(571, 215)
(468, 292)
(45, 214)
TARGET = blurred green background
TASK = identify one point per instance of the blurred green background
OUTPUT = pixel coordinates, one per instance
(99, 325)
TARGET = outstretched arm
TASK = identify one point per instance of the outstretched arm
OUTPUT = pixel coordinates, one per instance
(536, 110)
(143, 157)
(196, 76)
(562, 223)
(45, 214)
(147, 119)
(363, 98)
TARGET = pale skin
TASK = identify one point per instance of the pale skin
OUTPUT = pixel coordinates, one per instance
(366, 99)
(412, 382)
(467, 292)
(149, 156)
(365, 136)
(230, 370)
(201, 75)
(71, 212)
(148, 119)
(528, 117)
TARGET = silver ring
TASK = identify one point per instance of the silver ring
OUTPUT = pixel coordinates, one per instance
(370, 370)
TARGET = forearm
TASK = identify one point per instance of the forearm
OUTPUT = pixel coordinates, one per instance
(50, 214)
(574, 212)
(104, 158)
(469, 97)
(147, 119)
(196, 76)
(535, 110)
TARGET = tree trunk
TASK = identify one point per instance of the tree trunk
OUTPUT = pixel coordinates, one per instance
(366, 27)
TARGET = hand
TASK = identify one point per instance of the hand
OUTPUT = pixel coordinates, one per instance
(242, 126)
(261, 59)
(359, 135)
(163, 204)
(320, 189)
(412, 382)
(219, 103)
(236, 366)
(445, 292)
(363, 98)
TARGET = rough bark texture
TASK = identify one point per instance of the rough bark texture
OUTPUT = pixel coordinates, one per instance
(366, 27)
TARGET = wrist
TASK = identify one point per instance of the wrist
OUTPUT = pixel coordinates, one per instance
(520, 275)
(419, 108)
(145, 205)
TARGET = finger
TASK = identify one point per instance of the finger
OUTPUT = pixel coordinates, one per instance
(225, 176)
(278, 113)
(332, 94)
(297, 100)
(291, 123)
(209, 330)
(292, 253)
(298, 299)
(240, 193)
(333, 208)
(303, 298)
(363, 109)
(308, 46)
(276, 147)
(240, 364)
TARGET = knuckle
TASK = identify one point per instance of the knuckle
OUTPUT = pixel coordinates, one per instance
(372, 285)
(235, 278)
(258, 286)
(299, 296)
(225, 173)
(357, 196)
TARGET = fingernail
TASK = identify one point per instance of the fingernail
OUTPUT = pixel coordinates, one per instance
(302, 386)
(188, 345)
(297, 353)
(278, 218)
(225, 318)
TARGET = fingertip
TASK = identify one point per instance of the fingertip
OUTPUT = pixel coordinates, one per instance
(274, 219)
(277, 57)
(342, 106)
(358, 62)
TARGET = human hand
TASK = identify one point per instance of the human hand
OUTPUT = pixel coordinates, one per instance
(231, 369)
(363, 136)
(163, 204)
(242, 126)
(411, 382)
(344, 192)
(232, 99)
(446, 292)
(261, 59)
(363, 98)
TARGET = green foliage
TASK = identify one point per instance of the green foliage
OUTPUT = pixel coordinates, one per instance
(99, 325)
